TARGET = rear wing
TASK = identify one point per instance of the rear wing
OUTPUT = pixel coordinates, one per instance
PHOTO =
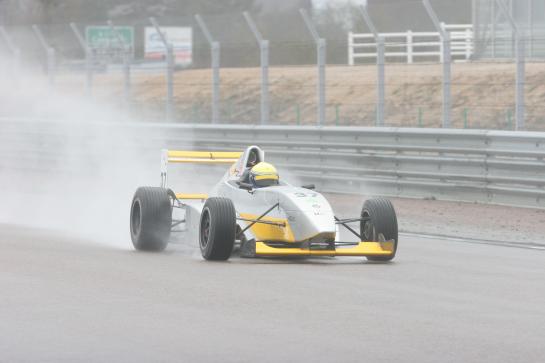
(195, 157)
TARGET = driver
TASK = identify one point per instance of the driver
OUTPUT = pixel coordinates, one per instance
(264, 175)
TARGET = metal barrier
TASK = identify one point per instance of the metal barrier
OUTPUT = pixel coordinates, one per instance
(496, 167)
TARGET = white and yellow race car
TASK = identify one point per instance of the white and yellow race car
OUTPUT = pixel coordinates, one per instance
(253, 211)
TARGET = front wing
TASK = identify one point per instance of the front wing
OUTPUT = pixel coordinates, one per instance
(344, 249)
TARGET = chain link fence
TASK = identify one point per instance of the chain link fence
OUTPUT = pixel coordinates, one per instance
(299, 75)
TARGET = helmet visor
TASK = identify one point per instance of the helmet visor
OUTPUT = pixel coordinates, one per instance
(265, 180)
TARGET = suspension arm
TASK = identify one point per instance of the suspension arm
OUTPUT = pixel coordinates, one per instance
(344, 222)
(258, 219)
(262, 222)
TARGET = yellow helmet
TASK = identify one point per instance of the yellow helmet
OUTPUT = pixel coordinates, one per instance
(264, 175)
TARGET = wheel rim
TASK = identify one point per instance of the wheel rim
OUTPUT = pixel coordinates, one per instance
(242, 238)
(205, 228)
(136, 220)
(368, 230)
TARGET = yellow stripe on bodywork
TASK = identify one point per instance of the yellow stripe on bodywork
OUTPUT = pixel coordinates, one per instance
(205, 157)
(191, 196)
(362, 249)
(268, 232)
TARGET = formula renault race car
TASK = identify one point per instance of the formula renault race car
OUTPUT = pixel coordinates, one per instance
(251, 210)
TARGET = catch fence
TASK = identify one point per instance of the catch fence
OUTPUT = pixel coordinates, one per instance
(301, 78)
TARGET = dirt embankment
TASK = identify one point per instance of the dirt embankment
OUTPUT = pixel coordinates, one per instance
(483, 94)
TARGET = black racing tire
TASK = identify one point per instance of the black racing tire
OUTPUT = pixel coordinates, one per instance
(151, 219)
(217, 229)
(381, 226)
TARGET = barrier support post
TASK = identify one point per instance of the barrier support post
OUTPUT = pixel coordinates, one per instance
(88, 59)
(16, 53)
(446, 59)
(379, 39)
(320, 63)
(126, 63)
(215, 63)
(50, 55)
(264, 61)
(169, 69)
(520, 55)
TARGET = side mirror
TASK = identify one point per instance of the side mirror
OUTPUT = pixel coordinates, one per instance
(246, 186)
(309, 186)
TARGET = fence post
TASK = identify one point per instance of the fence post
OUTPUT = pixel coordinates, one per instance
(521, 65)
(264, 61)
(126, 64)
(531, 26)
(321, 83)
(320, 63)
(350, 48)
(443, 27)
(468, 43)
(170, 69)
(493, 27)
(216, 81)
(50, 55)
(16, 53)
(409, 47)
(88, 59)
(215, 54)
(265, 102)
(520, 53)
(446, 49)
(380, 65)
(441, 50)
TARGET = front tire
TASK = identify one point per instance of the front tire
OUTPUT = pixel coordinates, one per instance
(381, 225)
(151, 219)
(217, 229)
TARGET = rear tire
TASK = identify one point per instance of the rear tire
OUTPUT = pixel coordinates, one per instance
(382, 225)
(151, 219)
(217, 229)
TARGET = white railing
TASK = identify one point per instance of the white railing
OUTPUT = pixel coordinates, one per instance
(413, 46)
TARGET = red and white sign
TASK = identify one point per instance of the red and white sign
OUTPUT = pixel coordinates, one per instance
(181, 39)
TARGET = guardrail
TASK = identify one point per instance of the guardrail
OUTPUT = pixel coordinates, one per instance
(464, 165)
(413, 46)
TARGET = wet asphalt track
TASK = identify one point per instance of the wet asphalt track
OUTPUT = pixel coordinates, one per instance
(440, 301)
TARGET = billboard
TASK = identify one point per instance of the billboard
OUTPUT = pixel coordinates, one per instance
(181, 39)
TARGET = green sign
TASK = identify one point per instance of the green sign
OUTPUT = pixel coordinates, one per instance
(103, 37)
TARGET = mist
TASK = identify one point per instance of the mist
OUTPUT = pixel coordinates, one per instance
(71, 163)
(76, 174)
